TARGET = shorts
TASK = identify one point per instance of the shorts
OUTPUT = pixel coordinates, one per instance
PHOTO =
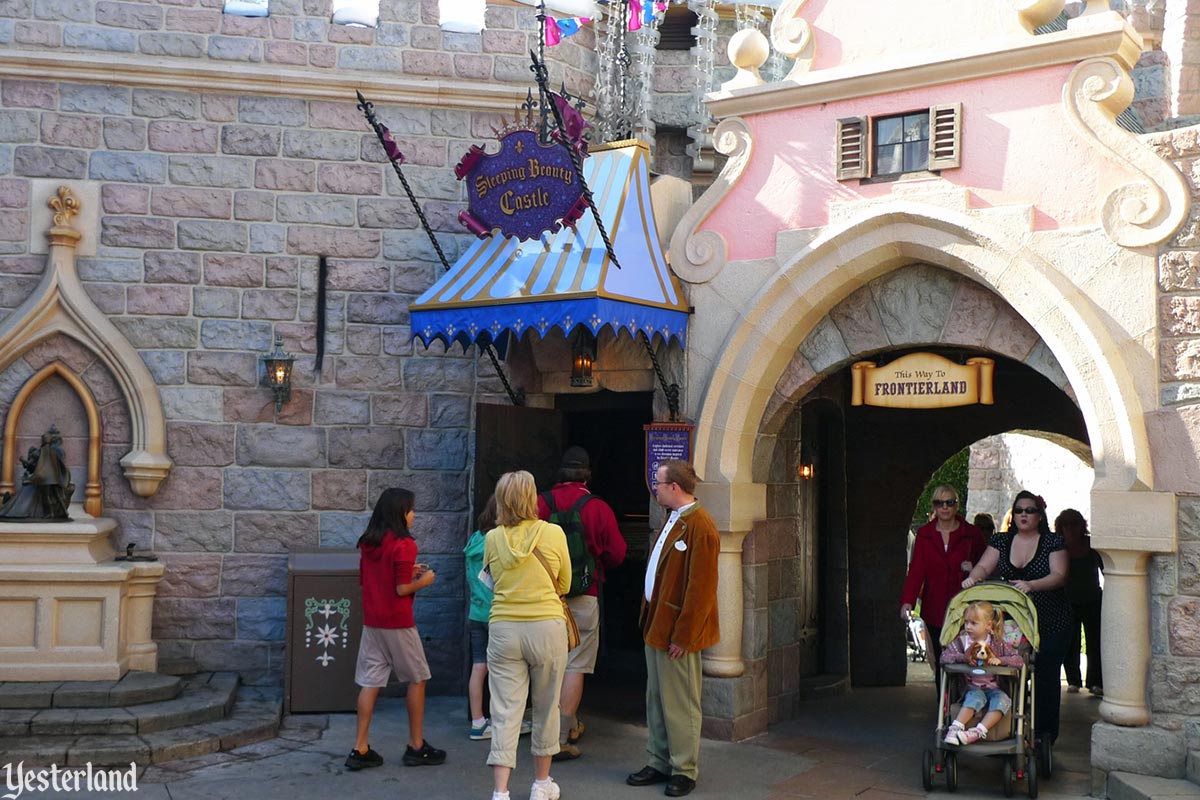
(479, 640)
(994, 699)
(382, 651)
(586, 610)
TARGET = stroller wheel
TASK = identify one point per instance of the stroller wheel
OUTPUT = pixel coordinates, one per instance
(952, 772)
(1010, 777)
(1031, 777)
(927, 770)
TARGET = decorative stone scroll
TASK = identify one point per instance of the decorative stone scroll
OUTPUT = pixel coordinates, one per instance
(697, 256)
(59, 305)
(792, 36)
(1145, 211)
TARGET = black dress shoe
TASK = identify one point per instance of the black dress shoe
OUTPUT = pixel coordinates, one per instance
(679, 785)
(647, 776)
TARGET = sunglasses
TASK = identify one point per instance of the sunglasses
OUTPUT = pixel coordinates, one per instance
(940, 503)
(1027, 510)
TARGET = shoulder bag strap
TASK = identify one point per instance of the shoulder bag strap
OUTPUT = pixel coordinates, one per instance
(549, 572)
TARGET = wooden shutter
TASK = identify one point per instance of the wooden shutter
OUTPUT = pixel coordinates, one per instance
(852, 153)
(945, 136)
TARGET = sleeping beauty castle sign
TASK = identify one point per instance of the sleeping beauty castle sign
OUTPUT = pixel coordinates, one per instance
(526, 189)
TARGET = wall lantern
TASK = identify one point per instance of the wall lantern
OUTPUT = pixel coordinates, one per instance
(461, 16)
(583, 354)
(806, 471)
(279, 374)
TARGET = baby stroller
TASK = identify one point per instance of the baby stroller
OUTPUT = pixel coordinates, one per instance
(1012, 739)
(915, 634)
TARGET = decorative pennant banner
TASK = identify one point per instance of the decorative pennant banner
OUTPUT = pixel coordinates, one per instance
(922, 380)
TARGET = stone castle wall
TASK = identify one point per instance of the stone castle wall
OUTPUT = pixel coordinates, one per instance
(215, 204)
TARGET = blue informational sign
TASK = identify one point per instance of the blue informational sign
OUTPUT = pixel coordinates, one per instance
(525, 190)
(666, 440)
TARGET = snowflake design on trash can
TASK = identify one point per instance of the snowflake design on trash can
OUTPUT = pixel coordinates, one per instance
(332, 631)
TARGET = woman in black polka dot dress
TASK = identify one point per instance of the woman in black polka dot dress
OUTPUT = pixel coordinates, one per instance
(1035, 561)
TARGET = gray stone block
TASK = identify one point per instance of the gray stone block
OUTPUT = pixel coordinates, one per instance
(193, 707)
(439, 374)
(321, 146)
(254, 575)
(83, 694)
(82, 722)
(18, 125)
(223, 335)
(37, 751)
(233, 173)
(152, 334)
(210, 301)
(190, 531)
(138, 686)
(87, 37)
(167, 366)
(280, 446)
(278, 490)
(176, 45)
(27, 695)
(49, 162)
(108, 751)
(63, 10)
(440, 449)
(212, 235)
(181, 743)
(371, 447)
(1145, 751)
(262, 618)
(1129, 786)
(232, 48)
(15, 722)
(268, 239)
(109, 269)
(290, 113)
(369, 58)
(342, 408)
(342, 528)
(194, 618)
(250, 140)
(187, 403)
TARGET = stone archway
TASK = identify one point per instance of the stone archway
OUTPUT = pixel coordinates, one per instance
(774, 305)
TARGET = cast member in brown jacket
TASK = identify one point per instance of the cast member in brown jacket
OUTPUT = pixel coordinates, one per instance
(679, 619)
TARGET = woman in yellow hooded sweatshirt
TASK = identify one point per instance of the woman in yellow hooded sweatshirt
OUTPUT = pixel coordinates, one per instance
(527, 634)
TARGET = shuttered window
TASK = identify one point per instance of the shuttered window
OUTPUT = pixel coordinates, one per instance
(851, 148)
(895, 145)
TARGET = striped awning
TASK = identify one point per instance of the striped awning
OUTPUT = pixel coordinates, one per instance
(565, 279)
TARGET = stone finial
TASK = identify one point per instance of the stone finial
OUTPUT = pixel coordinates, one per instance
(748, 51)
(65, 207)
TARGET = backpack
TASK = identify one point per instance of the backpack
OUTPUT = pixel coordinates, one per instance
(583, 564)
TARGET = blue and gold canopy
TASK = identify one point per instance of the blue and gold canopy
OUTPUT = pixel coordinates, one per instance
(565, 279)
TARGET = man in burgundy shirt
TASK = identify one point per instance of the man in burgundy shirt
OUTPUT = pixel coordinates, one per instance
(607, 547)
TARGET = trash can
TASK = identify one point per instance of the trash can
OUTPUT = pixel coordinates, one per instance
(324, 625)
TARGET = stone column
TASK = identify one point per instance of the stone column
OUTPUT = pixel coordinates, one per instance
(139, 616)
(1125, 631)
(724, 659)
(1181, 25)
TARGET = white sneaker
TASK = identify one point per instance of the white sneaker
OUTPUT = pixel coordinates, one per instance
(500, 796)
(544, 791)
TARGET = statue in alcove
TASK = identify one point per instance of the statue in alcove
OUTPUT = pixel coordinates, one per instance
(45, 493)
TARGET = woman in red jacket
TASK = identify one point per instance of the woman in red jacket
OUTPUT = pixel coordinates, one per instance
(946, 549)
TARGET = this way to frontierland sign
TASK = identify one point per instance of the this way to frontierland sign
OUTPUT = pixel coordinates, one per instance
(922, 380)
(524, 190)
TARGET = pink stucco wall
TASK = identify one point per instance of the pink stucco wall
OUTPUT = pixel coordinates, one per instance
(1017, 148)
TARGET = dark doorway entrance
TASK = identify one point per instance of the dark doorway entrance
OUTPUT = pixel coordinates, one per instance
(609, 426)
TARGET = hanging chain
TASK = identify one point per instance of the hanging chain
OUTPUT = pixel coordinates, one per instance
(516, 399)
(670, 390)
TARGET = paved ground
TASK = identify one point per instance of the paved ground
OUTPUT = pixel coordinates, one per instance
(867, 744)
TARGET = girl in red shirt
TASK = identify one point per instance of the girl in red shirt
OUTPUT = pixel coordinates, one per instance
(390, 575)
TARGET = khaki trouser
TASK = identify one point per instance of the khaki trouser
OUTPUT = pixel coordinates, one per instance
(525, 659)
(673, 713)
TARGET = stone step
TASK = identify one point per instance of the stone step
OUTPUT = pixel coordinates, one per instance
(1128, 786)
(206, 697)
(134, 688)
(254, 717)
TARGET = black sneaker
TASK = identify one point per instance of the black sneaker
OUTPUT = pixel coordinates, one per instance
(356, 760)
(426, 756)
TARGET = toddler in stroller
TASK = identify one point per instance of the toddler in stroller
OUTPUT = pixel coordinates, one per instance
(981, 643)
